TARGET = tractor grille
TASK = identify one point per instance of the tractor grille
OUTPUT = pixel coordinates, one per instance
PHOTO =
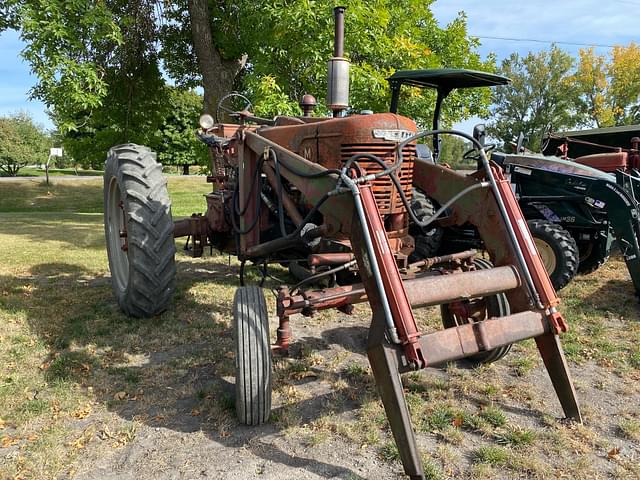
(387, 197)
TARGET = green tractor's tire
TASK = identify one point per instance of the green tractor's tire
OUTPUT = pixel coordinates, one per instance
(427, 239)
(558, 251)
(496, 306)
(592, 256)
(136, 200)
(253, 356)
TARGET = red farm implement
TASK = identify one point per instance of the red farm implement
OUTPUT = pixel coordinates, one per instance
(332, 198)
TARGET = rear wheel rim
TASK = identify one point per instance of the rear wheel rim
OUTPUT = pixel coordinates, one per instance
(115, 221)
(547, 255)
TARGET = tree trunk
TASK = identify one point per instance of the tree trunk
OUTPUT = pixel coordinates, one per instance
(185, 169)
(217, 73)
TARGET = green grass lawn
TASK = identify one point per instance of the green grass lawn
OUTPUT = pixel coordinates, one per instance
(58, 324)
(57, 172)
(78, 379)
(85, 196)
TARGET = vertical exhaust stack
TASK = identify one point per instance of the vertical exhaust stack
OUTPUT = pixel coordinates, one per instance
(338, 88)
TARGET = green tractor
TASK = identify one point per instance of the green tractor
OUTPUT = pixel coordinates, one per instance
(574, 211)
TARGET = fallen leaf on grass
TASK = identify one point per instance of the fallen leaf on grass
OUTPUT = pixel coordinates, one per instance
(8, 441)
(83, 412)
(137, 396)
(457, 422)
(78, 445)
(55, 410)
(2, 423)
(120, 395)
(105, 433)
(305, 374)
(195, 412)
(82, 441)
(613, 453)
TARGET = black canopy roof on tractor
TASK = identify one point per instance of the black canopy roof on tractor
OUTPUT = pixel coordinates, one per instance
(444, 80)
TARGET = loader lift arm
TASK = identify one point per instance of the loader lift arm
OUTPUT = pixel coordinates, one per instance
(395, 344)
(622, 211)
(616, 198)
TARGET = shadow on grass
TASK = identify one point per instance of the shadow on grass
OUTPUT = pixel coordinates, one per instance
(176, 370)
(79, 231)
(35, 196)
(173, 371)
(615, 295)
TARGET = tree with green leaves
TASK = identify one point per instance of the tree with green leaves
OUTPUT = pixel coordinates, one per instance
(452, 150)
(292, 45)
(132, 111)
(164, 120)
(175, 141)
(272, 49)
(22, 143)
(541, 97)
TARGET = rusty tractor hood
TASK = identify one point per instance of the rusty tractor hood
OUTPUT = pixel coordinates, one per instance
(324, 142)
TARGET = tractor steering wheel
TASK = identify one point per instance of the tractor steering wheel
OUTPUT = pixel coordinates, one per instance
(473, 153)
(230, 103)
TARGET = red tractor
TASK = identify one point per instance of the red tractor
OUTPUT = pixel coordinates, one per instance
(332, 198)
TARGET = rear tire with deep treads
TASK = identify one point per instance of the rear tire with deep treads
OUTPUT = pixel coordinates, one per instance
(253, 356)
(428, 239)
(558, 251)
(136, 200)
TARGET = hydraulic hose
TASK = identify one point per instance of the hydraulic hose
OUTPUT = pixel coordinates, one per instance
(501, 206)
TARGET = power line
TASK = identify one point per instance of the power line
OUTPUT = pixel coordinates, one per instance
(551, 42)
(636, 4)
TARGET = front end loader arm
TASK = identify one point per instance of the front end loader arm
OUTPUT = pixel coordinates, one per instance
(391, 354)
(338, 210)
(395, 345)
(622, 211)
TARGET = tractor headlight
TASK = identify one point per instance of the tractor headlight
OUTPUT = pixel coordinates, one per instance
(206, 121)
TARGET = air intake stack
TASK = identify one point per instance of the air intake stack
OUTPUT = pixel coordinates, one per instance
(338, 88)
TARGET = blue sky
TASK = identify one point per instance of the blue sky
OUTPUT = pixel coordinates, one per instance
(610, 22)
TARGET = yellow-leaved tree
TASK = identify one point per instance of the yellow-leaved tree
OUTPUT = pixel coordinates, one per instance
(609, 86)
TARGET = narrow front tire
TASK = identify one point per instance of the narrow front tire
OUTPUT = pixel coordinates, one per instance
(253, 356)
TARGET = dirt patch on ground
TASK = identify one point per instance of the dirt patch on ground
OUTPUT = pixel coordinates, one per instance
(323, 399)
